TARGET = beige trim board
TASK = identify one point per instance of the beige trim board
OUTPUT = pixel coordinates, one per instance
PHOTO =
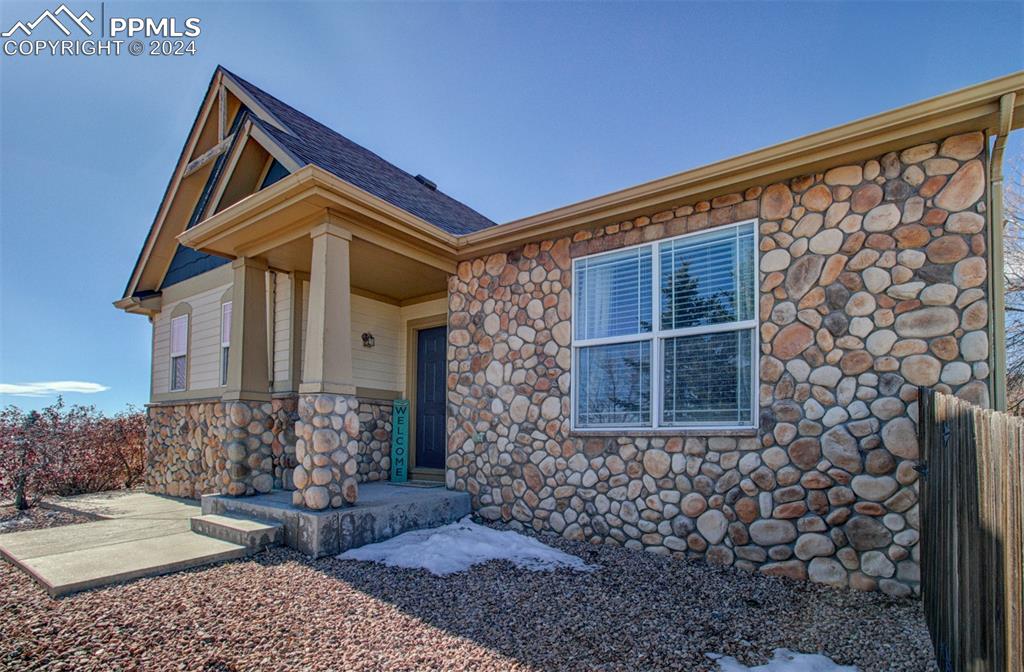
(328, 388)
(236, 89)
(378, 394)
(367, 294)
(433, 296)
(186, 396)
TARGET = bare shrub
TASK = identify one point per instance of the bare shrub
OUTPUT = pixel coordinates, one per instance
(68, 450)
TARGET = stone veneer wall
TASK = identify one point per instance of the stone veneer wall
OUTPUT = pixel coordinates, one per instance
(327, 451)
(872, 282)
(244, 448)
(374, 439)
(200, 447)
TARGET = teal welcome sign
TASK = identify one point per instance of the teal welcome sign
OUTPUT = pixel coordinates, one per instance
(400, 441)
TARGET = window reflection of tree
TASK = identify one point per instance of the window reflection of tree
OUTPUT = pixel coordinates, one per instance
(685, 303)
(623, 385)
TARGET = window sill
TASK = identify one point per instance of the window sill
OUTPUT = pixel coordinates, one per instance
(666, 431)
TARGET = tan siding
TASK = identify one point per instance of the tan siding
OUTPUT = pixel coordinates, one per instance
(161, 353)
(282, 327)
(376, 367)
(204, 342)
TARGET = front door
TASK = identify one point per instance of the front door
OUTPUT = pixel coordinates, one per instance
(430, 397)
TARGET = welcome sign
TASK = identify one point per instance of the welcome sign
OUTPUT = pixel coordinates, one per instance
(400, 441)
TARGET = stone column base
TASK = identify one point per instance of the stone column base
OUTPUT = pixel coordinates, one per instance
(248, 446)
(327, 450)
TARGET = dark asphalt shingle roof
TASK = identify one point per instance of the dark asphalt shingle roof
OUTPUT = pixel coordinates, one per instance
(313, 143)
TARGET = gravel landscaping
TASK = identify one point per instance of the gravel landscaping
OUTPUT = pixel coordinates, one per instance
(279, 610)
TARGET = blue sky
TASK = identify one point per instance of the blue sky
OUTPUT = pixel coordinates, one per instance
(514, 108)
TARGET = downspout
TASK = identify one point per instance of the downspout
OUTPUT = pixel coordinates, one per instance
(994, 253)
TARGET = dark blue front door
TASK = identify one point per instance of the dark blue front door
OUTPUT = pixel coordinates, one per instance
(430, 397)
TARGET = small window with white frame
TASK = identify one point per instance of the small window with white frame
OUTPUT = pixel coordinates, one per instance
(225, 340)
(665, 334)
(179, 353)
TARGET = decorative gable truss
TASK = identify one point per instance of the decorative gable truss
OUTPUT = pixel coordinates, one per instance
(229, 155)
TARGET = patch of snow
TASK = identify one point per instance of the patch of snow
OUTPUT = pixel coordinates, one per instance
(784, 660)
(458, 546)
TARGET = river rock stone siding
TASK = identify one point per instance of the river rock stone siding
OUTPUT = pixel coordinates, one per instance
(238, 448)
(327, 451)
(374, 439)
(872, 281)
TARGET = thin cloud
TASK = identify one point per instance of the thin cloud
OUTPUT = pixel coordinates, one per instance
(51, 388)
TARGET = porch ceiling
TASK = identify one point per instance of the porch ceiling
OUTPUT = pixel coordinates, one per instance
(374, 269)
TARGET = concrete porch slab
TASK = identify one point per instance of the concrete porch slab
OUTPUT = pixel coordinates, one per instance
(382, 511)
(138, 535)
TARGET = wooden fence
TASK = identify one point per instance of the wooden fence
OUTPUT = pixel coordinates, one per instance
(972, 541)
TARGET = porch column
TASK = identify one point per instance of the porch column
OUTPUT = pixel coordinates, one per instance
(248, 456)
(248, 376)
(327, 447)
(327, 366)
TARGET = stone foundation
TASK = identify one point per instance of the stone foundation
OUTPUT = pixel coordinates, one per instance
(184, 453)
(245, 448)
(327, 451)
(374, 440)
(872, 283)
(196, 448)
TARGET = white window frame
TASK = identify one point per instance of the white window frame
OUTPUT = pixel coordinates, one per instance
(178, 353)
(225, 342)
(656, 336)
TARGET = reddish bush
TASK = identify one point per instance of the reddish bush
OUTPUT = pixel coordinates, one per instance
(68, 451)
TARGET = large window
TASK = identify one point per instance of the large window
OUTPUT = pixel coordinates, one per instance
(179, 353)
(665, 334)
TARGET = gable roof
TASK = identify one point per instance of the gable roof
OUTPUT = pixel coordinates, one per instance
(310, 142)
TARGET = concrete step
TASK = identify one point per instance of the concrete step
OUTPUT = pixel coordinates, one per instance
(251, 533)
(381, 512)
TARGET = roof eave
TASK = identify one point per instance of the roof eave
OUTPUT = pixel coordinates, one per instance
(148, 305)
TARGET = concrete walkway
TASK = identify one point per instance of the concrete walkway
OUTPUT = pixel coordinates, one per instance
(135, 535)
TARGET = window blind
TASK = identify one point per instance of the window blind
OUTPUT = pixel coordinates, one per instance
(179, 336)
(707, 379)
(707, 281)
(614, 294)
(225, 324)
